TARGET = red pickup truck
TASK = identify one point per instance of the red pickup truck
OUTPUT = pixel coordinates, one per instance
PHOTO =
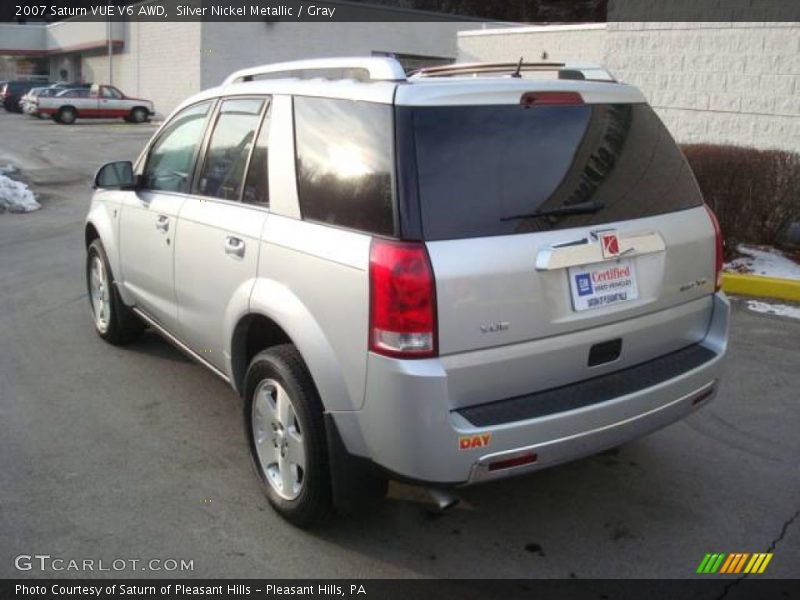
(97, 102)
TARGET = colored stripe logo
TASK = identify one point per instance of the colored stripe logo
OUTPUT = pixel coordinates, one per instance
(736, 562)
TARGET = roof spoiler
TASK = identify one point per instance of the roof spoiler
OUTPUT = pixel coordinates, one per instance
(565, 70)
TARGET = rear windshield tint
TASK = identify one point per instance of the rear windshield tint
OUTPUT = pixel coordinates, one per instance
(480, 166)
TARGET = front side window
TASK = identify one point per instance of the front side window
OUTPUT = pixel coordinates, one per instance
(229, 148)
(110, 93)
(171, 160)
(344, 163)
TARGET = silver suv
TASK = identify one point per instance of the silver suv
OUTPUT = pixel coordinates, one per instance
(472, 272)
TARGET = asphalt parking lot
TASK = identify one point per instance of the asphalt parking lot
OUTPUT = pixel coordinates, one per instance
(112, 453)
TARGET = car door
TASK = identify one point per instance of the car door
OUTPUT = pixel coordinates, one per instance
(148, 224)
(111, 102)
(216, 253)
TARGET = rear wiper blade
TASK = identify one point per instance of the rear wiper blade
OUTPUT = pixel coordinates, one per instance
(581, 208)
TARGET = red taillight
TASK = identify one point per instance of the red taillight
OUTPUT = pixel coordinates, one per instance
(550, 98)
(719, 247)
(402, 300)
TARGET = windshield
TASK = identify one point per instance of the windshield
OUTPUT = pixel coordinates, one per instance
(482, 169)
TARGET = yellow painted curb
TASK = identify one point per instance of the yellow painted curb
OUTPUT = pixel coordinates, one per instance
(757, 285)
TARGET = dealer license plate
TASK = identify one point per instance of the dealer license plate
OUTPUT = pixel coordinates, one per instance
(602, 284)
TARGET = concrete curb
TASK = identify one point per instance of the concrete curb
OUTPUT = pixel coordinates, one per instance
(764, 287)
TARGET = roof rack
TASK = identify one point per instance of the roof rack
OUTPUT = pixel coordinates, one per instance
(568, 70)
(378, 68)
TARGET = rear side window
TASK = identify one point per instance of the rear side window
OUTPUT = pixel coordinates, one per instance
(256, 185)
(75, 94)
(229, 148)
(481, 167)
(344, 163)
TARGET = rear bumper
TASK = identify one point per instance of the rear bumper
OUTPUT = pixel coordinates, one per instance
(409, 427)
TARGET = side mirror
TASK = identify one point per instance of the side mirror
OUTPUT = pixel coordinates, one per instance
(115, 176)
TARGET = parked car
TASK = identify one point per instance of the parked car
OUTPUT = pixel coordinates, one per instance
(443, 279)
(12, 91)
(29, 102)
(96, 102)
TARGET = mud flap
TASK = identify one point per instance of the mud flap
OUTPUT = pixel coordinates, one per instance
(356, 483)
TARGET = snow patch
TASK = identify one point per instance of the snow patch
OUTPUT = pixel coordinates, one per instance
(764, 260)
(15, 196)
(782, 310)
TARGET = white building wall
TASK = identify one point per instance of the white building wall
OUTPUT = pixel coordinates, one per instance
(16, 38)
(167, 62)
(227, 47)
(722, 83)
(545, 43)
(159, 62)
(79, 33)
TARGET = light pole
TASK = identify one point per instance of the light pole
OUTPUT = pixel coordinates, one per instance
(110, 54)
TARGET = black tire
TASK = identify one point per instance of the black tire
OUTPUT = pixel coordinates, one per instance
(138, 115)
(66, 115)
(123, 325)
(284, 365)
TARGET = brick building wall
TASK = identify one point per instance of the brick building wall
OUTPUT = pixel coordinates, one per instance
(160, 62)
(167, 62)
(551, 42)
(731, 83)
(717, 82)
(231, 46)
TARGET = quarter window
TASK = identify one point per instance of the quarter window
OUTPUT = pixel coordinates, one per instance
(256, 186)
(344, 163)
(171, 160)
(229, 148)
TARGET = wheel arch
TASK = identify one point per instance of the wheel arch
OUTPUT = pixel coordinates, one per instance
(275, 315)
(253, 333)
(90, 234)
(101, 223)
(136, 107)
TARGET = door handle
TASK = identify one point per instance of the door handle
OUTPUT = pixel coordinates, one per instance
(162, 223)
(234, 246)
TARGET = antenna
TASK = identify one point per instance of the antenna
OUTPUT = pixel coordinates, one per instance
(518, 72)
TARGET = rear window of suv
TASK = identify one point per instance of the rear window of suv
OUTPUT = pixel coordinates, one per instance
(480, 167)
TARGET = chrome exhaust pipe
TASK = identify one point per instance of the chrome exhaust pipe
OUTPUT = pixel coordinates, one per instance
(444, 499)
